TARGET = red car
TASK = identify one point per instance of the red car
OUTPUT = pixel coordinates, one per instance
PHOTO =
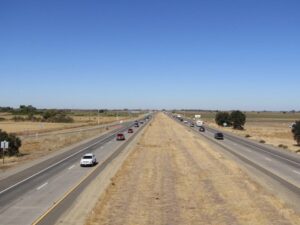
(130, 130)
(120, 137)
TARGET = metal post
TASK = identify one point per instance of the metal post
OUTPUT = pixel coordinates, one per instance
(98, 116)
(4, 145)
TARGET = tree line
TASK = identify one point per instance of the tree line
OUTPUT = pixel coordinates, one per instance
(31, 113)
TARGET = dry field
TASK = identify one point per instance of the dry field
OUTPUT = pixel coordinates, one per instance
(271, 127)
(173, 178)
(27, 127)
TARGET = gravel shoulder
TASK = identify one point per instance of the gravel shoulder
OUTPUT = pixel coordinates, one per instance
(171, 177)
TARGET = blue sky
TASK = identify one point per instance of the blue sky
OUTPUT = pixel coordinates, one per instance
(216, 54)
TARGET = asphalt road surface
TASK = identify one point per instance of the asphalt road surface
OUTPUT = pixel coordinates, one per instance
(28, 194)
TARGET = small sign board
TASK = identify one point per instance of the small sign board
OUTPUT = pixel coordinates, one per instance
(4, 144)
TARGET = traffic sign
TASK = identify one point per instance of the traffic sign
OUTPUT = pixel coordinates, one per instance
(4, 144)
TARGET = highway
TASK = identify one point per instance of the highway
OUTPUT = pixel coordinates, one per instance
(280, 165)
(28, 194)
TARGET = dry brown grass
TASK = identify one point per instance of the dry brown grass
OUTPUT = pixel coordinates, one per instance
(27, 127)
(32, 127)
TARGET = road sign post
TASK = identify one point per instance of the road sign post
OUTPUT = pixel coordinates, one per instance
(4, 146)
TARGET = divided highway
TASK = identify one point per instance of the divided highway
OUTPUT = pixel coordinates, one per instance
(282, 166)
(26, 195)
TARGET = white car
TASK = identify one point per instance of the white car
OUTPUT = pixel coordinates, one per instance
(88, 159)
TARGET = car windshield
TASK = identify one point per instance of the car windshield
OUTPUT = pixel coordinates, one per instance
(87, 157)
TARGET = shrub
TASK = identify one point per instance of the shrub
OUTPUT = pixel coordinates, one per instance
(2, 119)
(238, 119)
(18, 118)
(57, 116)
(262, 141)
(14, 143)
(247, 136)
(282, 146)
(296, 131)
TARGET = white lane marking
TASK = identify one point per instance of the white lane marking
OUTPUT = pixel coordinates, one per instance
(71, 167)
(43, 185)
(296, 171)
(266, 158)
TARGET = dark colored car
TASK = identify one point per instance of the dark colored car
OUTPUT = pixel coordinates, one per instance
(201, 129)
(192, 125)
(219, 136)
(136, 125)
(130, 130)
(120, 137)
(141, 122)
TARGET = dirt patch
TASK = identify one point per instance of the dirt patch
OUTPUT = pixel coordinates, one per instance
(173, 178)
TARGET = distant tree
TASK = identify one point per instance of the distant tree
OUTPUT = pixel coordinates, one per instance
(18, 118)
(14, 143)
(6, 109)
(25, 110)
(238, 119)
(296, 131)
(223, 117)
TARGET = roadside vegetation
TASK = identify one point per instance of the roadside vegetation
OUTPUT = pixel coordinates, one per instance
(30, 113)
(236, 119)
(296, 131)
(14, 143)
